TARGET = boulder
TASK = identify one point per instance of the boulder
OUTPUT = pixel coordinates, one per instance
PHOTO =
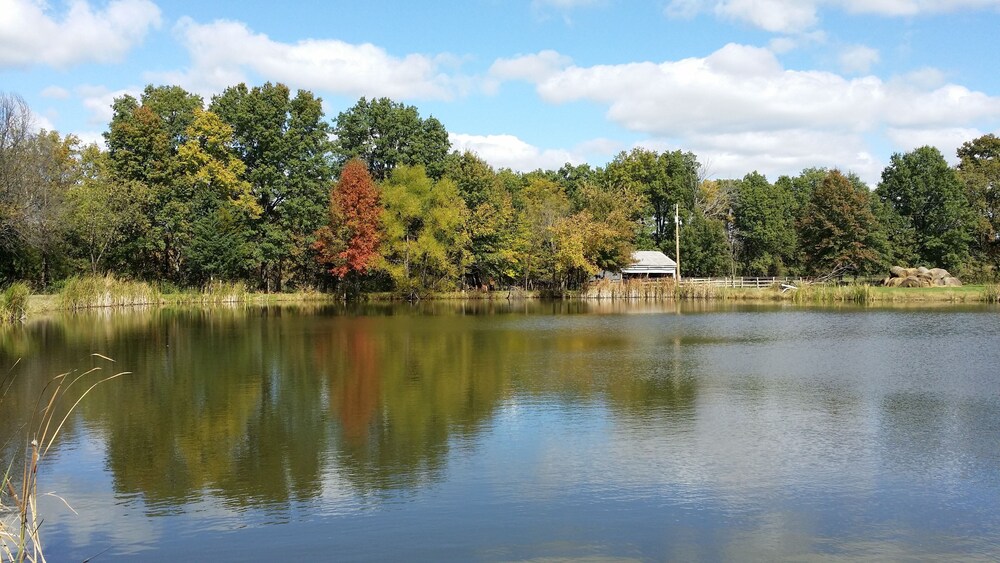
(939, 273)
(920, 277)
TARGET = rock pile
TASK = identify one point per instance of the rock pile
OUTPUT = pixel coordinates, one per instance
(920, 277)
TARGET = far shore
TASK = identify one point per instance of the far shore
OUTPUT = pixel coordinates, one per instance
(815, 294)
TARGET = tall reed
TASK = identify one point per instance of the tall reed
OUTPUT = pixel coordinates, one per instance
(861, 293)
(991, 293)
(106, 291)
(224, 293)
(631, 289)
(14, 303)
(20, 522)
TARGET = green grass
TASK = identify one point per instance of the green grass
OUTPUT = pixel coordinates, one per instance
(964, 294)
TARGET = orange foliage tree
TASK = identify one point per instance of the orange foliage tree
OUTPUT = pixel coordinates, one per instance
(349, 243)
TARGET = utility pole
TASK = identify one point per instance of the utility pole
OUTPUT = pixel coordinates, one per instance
(677, 239)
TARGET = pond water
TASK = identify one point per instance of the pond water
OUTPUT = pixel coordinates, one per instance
(495, 432)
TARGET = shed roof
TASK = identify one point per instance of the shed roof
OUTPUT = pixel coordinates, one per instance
(650, 262)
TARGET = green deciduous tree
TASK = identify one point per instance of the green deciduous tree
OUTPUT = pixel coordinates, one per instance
(979, 172)
(838, 232)
(385, 134)
(617, 213)
(927, 194)
(284, 144)
(145, 133)
(143, 139)
(425, 245)
(54, 167)
(542, 203)
(213, 206)
(104, 212)
(36, 170)
(582, 246)
(765, 226)
(498, 241)
(665, 179)
(705, 247)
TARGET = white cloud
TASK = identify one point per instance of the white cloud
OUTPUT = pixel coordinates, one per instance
(91, 137)
(683, 9)
(922, 79)
(774, 153)
(740, 88)
(914, 7)
(55, 93)
(858, 59)
(600, 148)
(782, 16)
(778, 16)
(223, 52)
(534, 67)
(786, 43)
(566, 4)
(740, 108)
(945, 139)
(508, 151)
(795, 16)
(30, 35)
(734, 89)
(98, 100)
(40, 122)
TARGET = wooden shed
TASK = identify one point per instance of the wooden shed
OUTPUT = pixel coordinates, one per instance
(650, 264)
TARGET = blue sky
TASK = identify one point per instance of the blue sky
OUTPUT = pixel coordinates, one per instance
(768, 85)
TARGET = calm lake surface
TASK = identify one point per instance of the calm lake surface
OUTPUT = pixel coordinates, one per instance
(534, 431)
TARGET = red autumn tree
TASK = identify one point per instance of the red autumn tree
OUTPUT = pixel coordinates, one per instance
(350, 242)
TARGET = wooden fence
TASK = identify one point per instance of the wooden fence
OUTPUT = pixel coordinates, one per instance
(741, 282)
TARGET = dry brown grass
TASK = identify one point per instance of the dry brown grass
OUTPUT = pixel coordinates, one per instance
(20, 523)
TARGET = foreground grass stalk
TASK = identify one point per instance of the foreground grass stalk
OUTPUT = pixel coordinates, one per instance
(20, 524)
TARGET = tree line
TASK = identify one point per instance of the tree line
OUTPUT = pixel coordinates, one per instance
(257, 186)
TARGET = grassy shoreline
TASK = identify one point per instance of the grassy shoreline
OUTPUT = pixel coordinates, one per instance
(806, 294)
(39, 304)
(109, 293)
